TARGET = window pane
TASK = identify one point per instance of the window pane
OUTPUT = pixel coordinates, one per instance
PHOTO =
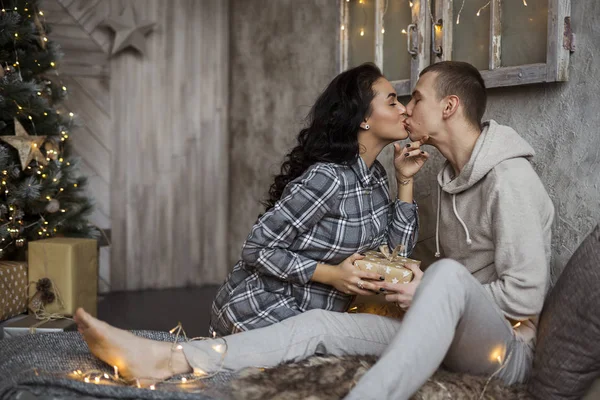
(361, 33)
(524, 32)
(471, 36)
(396, 59)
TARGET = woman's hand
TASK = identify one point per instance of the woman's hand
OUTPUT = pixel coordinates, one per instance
(408, 160)
(349, 279)
(402, 293)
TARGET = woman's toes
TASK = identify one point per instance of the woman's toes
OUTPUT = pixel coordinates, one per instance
(82, 318)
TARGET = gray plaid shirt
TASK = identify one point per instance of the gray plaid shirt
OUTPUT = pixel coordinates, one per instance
(325, 215)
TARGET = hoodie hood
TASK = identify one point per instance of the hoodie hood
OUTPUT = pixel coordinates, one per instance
(497, 143)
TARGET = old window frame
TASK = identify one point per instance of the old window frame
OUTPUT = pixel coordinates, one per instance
(417, 37)
(433, 45)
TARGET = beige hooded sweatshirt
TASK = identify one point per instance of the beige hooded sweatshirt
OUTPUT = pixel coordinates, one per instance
(495, 218)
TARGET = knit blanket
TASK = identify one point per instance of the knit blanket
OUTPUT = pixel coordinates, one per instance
(40, 366)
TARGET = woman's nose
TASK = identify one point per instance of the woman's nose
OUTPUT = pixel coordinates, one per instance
(402, 108)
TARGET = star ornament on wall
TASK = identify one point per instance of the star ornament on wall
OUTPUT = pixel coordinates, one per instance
(128, 33)
(27, 146)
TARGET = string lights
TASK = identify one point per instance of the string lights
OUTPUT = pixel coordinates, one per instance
(483, 8)
(460, 12)
(179, 336)
(362, 29)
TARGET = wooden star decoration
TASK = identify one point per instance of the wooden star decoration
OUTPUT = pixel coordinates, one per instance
(128, 33)
(27, 146)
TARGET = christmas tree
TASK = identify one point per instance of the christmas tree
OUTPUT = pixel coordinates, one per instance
(41, 192)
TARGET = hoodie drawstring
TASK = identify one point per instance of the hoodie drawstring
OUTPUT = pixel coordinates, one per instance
(460, 219)
(437, 222)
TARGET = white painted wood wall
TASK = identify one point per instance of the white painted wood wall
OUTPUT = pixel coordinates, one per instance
(155, 138)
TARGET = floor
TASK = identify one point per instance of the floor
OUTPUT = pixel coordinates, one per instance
(159, 309)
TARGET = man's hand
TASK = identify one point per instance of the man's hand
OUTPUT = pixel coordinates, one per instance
(402, 293)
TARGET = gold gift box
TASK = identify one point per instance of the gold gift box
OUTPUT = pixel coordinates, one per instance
(72, 266)
(390, 266)
(13, 289)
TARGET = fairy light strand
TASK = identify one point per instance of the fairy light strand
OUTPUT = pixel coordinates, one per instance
(483, 8)
(98, 377)
(459, 12)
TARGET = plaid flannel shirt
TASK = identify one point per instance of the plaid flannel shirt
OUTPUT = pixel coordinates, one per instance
(325, 215)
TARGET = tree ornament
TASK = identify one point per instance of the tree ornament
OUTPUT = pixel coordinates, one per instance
(20, 242)
(53, 206)
(128, 33)
(27, 146)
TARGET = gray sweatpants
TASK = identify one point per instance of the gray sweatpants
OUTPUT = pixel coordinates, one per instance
(452, 320)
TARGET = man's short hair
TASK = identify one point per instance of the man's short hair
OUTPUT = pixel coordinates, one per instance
(463, 80)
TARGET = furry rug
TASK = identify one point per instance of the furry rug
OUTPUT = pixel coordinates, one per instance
(328, 378)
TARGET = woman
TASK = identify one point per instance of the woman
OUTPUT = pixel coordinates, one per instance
(330, 202)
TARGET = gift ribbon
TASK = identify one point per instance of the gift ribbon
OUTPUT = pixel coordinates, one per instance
(385, 250)
(40, 312)
(37, 296)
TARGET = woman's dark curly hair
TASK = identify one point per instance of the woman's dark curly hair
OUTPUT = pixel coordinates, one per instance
(333, 125)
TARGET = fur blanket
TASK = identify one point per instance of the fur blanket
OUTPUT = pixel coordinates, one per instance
(328, 378)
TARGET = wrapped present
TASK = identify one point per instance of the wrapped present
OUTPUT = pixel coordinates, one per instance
(390, 265)
(66, 274)
(368, 305)
(31, 324)
(13, 289)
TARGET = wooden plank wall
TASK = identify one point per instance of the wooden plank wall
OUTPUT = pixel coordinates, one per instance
(167, 135)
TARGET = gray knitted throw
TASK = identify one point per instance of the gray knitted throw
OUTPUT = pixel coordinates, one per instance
(36, 365)
(39, 363)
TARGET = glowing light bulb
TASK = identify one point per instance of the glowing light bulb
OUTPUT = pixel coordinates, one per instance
(362, 32)
(382, 30)
(343, 27)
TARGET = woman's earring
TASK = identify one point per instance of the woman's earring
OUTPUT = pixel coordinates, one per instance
(367, 127)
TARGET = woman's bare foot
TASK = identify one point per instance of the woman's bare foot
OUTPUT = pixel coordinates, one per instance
(137, 358)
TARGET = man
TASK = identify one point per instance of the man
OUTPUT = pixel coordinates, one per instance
(494, 220)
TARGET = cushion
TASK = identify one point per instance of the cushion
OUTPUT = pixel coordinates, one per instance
(567, 358)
